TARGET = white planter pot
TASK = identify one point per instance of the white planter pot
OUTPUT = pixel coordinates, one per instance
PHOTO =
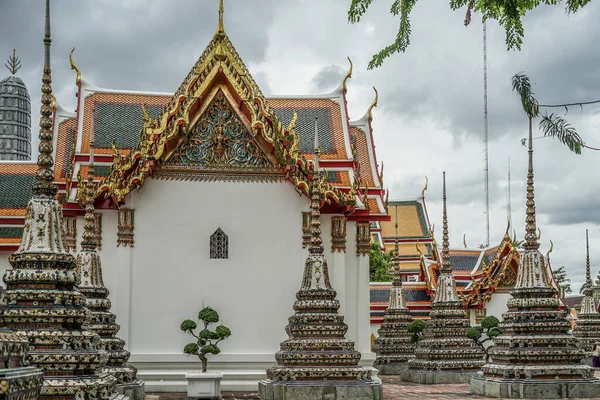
(204, 385)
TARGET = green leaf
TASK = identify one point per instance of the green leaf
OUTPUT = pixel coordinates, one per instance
(208, 335)
(207, 314)
(417, 326)
(210, 349)
(223, 331)
(522, 85)
(557, 127)
(191, 349)
(489, 322)
(493, 332)
(475, 332)
(188, 325)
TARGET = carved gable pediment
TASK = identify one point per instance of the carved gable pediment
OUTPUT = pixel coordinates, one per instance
(219, 146)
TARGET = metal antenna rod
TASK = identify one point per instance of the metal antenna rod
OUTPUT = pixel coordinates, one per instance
(485, 139)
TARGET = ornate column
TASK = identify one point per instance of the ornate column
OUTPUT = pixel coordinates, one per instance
(338, 258)
(125, 225)
(124, 258)
(98, 230)
(70, 233)
(305, 229)
(363, 311)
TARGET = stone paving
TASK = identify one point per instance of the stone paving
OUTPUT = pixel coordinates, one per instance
(393, 388)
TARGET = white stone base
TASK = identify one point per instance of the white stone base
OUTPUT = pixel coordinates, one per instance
(269, 390)
(517, 389)
(203, 385)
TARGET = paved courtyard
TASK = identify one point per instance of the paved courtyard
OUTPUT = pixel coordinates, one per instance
(393, 389)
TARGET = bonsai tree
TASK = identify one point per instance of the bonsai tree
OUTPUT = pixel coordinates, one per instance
(487, 331)
(207, 341)
(416, 328)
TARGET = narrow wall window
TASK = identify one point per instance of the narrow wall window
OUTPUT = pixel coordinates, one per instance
(219, 244)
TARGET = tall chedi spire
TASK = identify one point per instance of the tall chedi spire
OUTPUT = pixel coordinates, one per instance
(102, 321)
(394, 346)
(43, 305)
(317, 361)
(535, 356)
(587, 329)
(445, 355)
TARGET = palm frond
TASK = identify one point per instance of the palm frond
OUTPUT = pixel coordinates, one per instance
(522, 85)
(357, 9)
(557, 127)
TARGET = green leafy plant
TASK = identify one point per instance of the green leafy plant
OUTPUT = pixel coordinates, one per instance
(509, 15)
(416, 328)
(207, 341)
(379, 264)
(485, 332)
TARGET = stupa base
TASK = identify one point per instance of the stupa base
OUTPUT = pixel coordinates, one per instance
(437, 377)
(390, 369)
(135, 390)
(520, 389)
(310, 390)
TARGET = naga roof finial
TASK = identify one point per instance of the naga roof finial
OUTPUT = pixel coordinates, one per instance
(73, 66)
(424, 187)
(445, 239)
(221, 26)
(44, 184)
(373, 104)
(348, 76)
(465, 240)
(13, 64)
(531, 237)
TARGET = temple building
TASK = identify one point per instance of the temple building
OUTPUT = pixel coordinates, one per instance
(15, 115)
(204, 193)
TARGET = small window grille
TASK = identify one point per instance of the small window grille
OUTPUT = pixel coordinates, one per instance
(219, 244)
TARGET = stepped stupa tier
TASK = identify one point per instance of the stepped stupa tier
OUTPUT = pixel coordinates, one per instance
(19, 380)
(317, 361)
(587, 329)
(42, 303)
(394, 346)
(535, 356)
(102, 321)
(445, 354)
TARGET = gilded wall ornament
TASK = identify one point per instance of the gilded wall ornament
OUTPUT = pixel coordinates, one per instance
(125, 225)
(338, 234)
(363, 238)
(305, 228)
(70, 233)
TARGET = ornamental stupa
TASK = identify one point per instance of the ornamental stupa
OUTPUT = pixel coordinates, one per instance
(587, 329)
(535, 356)
(445, 354)
(42, 303)
(394, 346)
(317, 361)
(102, 321)
(15, 114)
(19, 381)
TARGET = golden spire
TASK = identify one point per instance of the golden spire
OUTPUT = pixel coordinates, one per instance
(425, 187)
(221, 26)
(588, 275)
(348, 76)
(445, 240)
(13, 64)
(44, 184)
(396, 258)
(373, 104)
(531, 238)
(73, 66)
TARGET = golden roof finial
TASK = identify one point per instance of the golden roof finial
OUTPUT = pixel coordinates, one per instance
(147, 119)
(425, 187)
(348, 76)
(506, 234)
(418, 249)
(13, 64)
(380, 176)
(73, 66)
(373, 104)
(221, 26)
(445, 239)
(465, 240)
(549, 251)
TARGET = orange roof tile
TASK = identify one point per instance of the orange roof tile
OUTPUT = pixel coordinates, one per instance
(364, 161)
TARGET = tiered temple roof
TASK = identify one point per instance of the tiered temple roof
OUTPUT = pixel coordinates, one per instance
(132, 141)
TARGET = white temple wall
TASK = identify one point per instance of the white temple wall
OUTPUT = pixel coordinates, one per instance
(497, 305)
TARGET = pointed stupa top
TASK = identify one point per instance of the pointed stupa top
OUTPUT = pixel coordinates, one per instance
(446, 267)
(13, 64)
(531, 237)
(221, 26)
(396, 257)
(89, 243)
(44, 184)
(588, 275)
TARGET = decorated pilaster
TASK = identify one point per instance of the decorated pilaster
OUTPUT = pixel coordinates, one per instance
(338, 256)
(43, 305)
(394, 346)
(587, 329)
(125, 226)
(102, 321)
(363, 247)
(317, 361)
(305, 229)
(445, 355)
(70, 233)
(535, 356)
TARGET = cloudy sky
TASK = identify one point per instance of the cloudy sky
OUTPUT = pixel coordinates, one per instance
(430, 114)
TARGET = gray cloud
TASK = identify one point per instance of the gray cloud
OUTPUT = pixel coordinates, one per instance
(327, 79)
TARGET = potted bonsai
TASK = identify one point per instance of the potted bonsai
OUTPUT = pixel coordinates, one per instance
(204, 384)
